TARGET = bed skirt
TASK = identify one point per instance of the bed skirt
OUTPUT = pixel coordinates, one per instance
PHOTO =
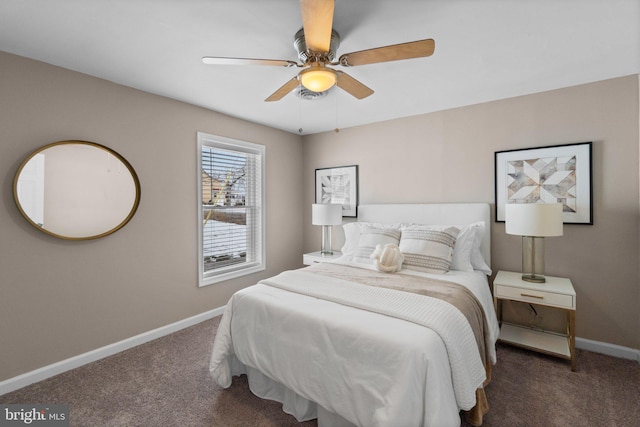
(292, 403)
(304, 410)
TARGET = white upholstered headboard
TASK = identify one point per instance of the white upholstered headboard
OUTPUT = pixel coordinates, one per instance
(433, 213)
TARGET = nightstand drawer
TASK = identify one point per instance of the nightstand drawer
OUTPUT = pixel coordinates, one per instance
(317, 257)
(309, 260)
(535, 296)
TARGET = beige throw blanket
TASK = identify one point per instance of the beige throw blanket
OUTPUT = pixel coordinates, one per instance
(453, 293)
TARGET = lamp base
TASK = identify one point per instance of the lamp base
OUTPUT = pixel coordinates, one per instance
(326, 241)
(533, 259)
(533, 278)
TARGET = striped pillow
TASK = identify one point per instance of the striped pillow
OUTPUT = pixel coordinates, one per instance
(372, 236)
(428, 250)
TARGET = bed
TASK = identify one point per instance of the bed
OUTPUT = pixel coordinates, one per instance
(350, 345)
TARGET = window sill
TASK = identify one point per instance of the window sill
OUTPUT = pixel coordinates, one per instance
(221, 277)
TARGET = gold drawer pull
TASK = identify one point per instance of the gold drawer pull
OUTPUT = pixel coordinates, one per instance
(531, 296)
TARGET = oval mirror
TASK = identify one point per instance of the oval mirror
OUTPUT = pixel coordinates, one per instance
(76, 190)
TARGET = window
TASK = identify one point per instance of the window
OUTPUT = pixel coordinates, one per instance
(230, 208)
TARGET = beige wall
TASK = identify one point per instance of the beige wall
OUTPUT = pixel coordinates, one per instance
(62, 298)
(448, 156)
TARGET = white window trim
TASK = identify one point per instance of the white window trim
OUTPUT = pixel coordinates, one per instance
(205, 139)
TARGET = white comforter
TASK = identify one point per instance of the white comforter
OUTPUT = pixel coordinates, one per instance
(370, 368)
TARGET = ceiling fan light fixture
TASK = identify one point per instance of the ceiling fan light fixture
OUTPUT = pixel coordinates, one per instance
(318, 78)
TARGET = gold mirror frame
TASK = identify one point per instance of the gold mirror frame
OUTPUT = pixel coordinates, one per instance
(108, 228)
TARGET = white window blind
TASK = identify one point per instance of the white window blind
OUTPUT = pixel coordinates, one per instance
(231, 229)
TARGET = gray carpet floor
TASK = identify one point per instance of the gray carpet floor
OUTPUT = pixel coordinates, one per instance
(165, 383)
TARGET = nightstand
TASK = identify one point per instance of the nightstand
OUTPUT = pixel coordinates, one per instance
(317, 257)
(556, 292)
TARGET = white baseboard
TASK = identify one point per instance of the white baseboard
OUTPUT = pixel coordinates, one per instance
(608, 349)
(45, 372)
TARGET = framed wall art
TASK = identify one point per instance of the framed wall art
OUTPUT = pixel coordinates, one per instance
(339, 185)
(552, 174)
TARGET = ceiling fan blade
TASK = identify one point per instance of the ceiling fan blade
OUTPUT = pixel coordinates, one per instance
(317, 21)
(284, 89)
(396, 52)
(352, 86)
(213, 60)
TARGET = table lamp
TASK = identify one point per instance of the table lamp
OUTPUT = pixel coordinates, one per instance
(326, 215)
(534, 222)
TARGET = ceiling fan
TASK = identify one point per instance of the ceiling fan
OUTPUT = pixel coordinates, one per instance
(316, 44)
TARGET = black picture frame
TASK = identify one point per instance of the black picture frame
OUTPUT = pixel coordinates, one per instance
(549, 174)
(339, 185)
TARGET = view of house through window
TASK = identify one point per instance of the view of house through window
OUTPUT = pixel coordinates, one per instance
(231, 208)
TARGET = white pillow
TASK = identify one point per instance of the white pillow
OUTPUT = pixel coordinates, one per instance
(370, 237)
(461, 259)
(426, 249)
(352, 232)
(477, 260)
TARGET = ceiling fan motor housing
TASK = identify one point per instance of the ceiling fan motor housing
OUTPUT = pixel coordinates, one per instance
(305, 55)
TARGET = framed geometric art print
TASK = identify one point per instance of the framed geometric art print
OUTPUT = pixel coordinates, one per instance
(553, 174)
(339, 185)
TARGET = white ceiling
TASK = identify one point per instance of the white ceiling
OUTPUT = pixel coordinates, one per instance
(485, 50)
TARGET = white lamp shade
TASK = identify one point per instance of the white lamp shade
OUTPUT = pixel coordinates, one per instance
(326, 214)
(533, 219)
